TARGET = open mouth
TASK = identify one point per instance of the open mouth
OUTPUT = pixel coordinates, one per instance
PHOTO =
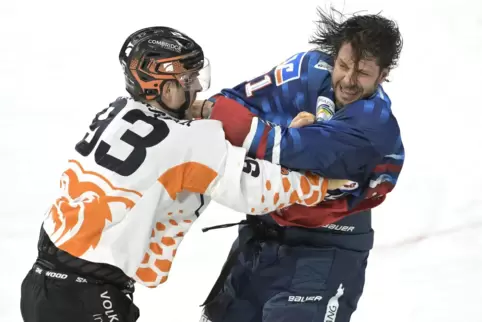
(349, 91)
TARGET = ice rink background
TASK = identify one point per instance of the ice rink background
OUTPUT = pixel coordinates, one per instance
(59, 66)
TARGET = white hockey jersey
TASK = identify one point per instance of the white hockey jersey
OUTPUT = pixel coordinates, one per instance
(139, 178)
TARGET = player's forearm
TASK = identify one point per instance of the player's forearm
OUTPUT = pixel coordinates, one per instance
(264, 141)
(256, 186)
(241, 127)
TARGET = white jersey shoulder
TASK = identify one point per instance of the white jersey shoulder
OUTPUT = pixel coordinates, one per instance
(138, 180)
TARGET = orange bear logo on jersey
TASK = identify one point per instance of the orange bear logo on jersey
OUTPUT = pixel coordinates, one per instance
(83, 210)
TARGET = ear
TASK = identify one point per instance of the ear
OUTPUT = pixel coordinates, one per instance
(167, 91)
(166, 88)
(383, 76)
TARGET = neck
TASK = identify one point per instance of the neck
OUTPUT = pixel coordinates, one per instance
(157, 106)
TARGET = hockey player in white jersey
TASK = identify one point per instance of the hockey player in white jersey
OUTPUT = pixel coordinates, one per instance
(136, 182)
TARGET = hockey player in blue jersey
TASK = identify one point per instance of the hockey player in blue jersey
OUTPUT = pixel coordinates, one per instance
(298, 264)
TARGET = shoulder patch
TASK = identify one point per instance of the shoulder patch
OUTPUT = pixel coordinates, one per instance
(324, 66)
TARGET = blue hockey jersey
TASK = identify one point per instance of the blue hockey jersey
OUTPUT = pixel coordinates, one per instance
(360, 142)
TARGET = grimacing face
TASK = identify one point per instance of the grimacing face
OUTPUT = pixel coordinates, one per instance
(351, 82)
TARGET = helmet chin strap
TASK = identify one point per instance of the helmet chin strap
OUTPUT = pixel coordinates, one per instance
(180, 112)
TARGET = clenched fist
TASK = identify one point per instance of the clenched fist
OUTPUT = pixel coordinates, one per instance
(302, 119)
(336, 183)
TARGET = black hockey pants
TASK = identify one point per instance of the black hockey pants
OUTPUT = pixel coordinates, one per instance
(50, 296)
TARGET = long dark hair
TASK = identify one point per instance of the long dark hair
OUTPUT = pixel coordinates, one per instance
(371, 36)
